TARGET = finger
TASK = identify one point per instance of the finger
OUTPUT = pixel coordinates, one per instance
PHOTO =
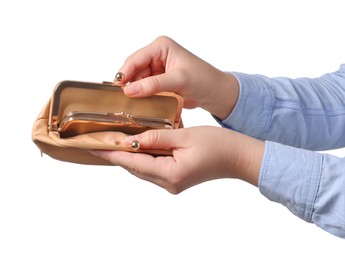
(143, 166)
(172, 81)
(159, 139)
(123, 159)
(142, 74)
(151, 56)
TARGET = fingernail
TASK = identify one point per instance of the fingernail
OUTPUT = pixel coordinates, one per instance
(132, 89)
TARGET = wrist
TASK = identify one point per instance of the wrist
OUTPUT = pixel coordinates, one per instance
(245, 156)
(225, 92)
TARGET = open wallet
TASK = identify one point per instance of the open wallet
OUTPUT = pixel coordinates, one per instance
(82, 116)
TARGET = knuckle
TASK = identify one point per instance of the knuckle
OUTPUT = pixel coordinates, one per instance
(174, 190)
(174, 185)
(153, 85)
(163, 39)
(129, 61)
(151, 137)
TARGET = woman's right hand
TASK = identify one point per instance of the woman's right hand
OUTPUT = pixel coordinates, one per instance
(164, 65)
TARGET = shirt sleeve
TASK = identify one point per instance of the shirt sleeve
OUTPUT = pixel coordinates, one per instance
(294, 117)
(304, 112)
(310, 184)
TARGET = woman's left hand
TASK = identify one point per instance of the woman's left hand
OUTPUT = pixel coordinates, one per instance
(199, 154)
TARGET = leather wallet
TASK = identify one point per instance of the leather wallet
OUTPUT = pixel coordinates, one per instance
(82, 116)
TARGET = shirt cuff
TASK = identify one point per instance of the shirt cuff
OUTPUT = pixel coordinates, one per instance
(253, 110)
(291, 176)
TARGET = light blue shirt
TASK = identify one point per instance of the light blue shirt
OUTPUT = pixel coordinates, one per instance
(297, 118)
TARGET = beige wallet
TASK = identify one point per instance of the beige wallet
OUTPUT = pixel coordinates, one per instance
(82, 116)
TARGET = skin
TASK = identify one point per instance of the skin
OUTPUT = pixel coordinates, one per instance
(199, 154)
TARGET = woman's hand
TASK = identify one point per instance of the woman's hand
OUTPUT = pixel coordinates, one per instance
(164, 65)
(199, 154)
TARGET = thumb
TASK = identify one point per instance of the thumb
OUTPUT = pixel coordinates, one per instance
(156, 139)
(153, 85)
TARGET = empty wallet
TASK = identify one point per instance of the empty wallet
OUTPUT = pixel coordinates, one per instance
(82, 116)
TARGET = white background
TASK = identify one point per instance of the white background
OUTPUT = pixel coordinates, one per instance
(56, 210)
